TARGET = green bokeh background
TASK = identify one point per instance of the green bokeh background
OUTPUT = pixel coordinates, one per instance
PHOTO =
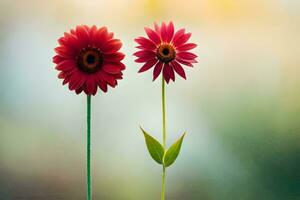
(240, 104)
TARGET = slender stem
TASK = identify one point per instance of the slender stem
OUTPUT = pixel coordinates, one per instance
(163, 183)
(163, 111)
(164, 135)
(88, 146)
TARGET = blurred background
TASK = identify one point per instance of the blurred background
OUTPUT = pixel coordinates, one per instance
(240, 105)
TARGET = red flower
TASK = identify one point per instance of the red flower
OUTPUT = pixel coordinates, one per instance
(165, 50)
(88, 58)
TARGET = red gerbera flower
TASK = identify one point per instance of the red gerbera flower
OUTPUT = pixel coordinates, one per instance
(88, 58)
(166, 51)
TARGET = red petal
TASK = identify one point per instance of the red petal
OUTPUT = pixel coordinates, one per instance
(190, 61)
(95, 90)
(65, 51)
(186, 47)
(153, 36)
(118, 76)
(80, 78)
(87, 28)
(93, 30)
(121, 65)
(170, 31)
(69, 40)
(157, 70)
(157, 28)
(111, 68)
(108, 78)
(66, 80)
(141, 47)
(187, 63)
(66, 65)
(100, 37)
(115, 57)
(143, 59)
(92, 33)
(72, 31)
(167, 72)
(82, 35)
(145, 54)
(61, 75)
(76, 81)
(111, 46)
(148, 65)
(178, 34)
(57, 59)
(172, 74)
(183, 39)
(102, 86)
(164, 34)
(91, 86)
(67, 76)
(79, 90)
(178, 69)
(110, 35)
(186, 55)
(144, 42)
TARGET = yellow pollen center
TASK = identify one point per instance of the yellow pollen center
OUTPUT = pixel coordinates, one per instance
(166, 53)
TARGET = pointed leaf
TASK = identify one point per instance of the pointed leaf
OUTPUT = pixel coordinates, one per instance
(155, 149)
(173, 152)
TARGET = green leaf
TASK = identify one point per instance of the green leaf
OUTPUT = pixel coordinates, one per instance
(155, 149)
(173, 152)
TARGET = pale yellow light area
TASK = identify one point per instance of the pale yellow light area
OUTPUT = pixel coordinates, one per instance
(154, 7)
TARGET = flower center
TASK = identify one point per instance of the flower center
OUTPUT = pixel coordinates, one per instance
(166, 53)
(90, 60)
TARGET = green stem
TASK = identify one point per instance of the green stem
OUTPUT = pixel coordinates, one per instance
(164, 135)
(163, 110)
(163, 183)
(88, 146)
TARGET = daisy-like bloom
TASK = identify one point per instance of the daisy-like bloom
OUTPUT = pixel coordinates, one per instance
(88, 58)
(166, 50)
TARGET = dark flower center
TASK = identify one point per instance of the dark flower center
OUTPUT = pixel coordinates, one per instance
(166, 53)
(90, 60)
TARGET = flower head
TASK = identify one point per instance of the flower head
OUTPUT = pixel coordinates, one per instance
(88, 58)
(166, 50)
